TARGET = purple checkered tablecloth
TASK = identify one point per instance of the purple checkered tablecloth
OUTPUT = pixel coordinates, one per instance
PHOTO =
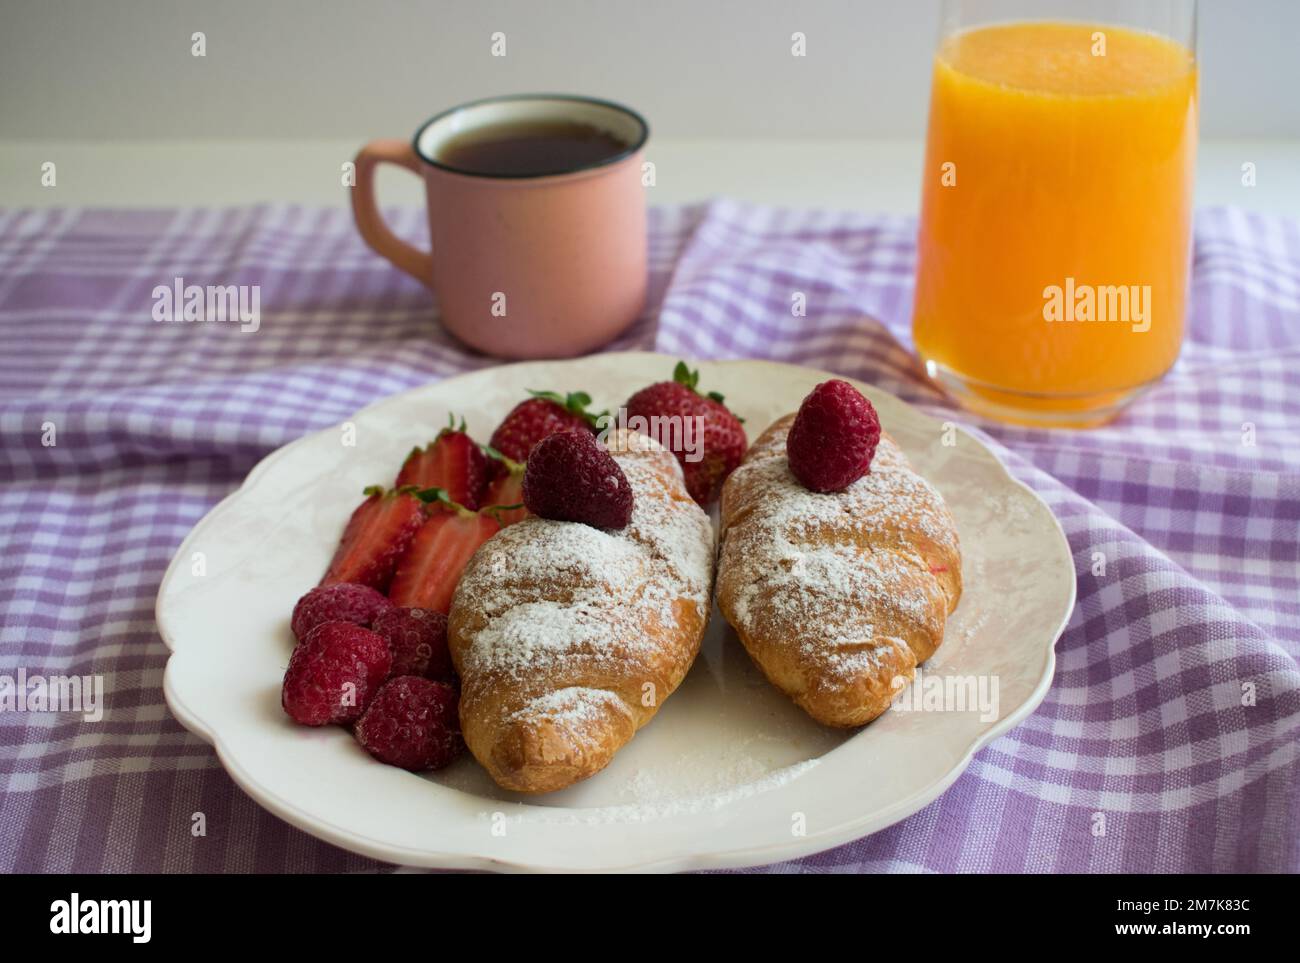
(1176, 703)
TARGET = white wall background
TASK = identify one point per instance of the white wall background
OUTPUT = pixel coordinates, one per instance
(93, 70)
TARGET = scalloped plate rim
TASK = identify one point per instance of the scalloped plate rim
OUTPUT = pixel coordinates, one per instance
(366, 845)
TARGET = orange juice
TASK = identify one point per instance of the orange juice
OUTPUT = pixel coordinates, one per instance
(1056, 216)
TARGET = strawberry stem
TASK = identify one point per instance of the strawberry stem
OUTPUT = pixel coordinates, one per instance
(512, 466)
(683, 375)
(496, 510)
(452, 428)
(370, 491)
(440, 496)
(575, 402)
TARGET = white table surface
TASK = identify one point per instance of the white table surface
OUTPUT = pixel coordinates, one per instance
(865, 175)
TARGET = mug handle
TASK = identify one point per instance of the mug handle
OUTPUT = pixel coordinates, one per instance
(370, 223)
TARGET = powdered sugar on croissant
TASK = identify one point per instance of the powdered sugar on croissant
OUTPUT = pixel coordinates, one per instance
(567, 637)
(836, 596)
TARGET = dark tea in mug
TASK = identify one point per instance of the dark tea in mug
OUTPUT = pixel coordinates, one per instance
(530, 148)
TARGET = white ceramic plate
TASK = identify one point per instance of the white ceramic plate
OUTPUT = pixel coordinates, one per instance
(729, 773)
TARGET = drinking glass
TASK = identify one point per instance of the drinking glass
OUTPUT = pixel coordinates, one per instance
(1056, 213)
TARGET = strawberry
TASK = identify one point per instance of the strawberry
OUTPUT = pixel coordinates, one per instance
(504, 499)
(706, 466)
(545, 413)
(376, 536)
(427, 574)
(453, 461)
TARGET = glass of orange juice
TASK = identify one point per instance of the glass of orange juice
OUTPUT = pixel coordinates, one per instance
(1056, 211)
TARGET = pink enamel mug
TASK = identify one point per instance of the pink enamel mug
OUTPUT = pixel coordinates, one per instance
(522, 265)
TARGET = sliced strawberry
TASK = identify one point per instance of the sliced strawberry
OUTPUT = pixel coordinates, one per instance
(376, 536)
(452, 462)
(427, 574)
(504, 500)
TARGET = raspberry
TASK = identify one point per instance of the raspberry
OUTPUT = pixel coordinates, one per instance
(418, 640)
(340, 602)
(833, 438)
(412, 724)
(333, 673)
(572, 478)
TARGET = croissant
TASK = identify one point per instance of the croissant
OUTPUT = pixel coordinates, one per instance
(837, 597)
(568, 638)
